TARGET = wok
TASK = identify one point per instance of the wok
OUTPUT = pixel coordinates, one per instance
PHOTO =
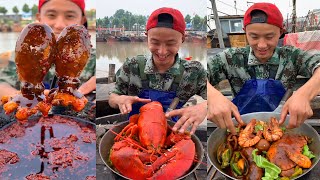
(107, 142)
(34, 164)
(304, 129)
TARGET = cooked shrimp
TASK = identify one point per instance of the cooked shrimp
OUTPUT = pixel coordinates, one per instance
(272, 131)
(247, 138)
(300, 159)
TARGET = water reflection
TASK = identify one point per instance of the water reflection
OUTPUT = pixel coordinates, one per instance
(117, 52)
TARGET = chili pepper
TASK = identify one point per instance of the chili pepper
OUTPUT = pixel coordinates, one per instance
(235, 169)
(226, 156)
(235, 157)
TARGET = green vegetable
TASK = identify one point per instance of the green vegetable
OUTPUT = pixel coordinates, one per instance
(258, 127)
(283, 128)
(271, 171)
(226, 156)
(307, 152)
(236, 169)
(237, 130)
(235, 157)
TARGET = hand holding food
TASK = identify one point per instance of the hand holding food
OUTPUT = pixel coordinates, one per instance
(71, 56)
(33, 60)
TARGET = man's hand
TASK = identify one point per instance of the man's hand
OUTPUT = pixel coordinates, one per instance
(125, 102)
(189, 116)
(298, 106)
(220, 110)
(88, 86)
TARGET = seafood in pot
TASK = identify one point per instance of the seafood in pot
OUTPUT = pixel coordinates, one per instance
(264, 147)
(142, 150)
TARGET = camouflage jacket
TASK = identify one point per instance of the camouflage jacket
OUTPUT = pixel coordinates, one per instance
(234, 64)
(193, 78)
(9, 74)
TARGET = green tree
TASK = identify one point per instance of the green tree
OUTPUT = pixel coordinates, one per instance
(3, 10)
(106, 21)
(15, 10)
(187, 19)
(25, 8)
(34, 10)
(115, 22)
(196, 22)
(119, 13)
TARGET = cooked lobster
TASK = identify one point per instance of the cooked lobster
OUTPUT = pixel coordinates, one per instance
(142, 150)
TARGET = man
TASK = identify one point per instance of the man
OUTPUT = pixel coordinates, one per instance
(260, 73)
(58, 14)
(163, 76)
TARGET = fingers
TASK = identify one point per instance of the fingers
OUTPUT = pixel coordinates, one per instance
(137, 99)
(237, 115)
(229, 124)
(177, 112)
(293, 120)
(125, 108)
(194, 127)
(283, 115)
(184, 123)
(181, 124)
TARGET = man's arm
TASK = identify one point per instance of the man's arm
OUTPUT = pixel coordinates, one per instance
(298, 105)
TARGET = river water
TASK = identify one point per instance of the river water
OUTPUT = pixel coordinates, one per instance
(8, 40)
(117, 52)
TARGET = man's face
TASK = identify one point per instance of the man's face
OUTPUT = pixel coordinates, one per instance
(164, 44)
(59, 14)
(263, 39)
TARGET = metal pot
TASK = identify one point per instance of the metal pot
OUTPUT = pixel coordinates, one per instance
(107, 142)
(304, 129)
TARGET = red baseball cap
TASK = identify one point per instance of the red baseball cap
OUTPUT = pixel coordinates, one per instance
(80, 3)
(177, 23)
(274, 15)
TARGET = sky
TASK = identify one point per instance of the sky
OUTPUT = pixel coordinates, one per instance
(9, 4)
(146, 7)
(285, 6)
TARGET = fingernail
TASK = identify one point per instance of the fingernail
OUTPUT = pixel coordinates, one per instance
(181, 130)
(174, 129)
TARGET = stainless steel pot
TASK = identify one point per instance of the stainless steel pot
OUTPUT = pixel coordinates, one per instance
(218, 136)
(107, 142)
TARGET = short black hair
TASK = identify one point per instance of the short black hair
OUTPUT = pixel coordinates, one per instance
(165, 20)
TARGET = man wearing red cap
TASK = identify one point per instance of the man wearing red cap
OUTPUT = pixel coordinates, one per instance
(58, 14)
(163, 76)
(260, 73)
